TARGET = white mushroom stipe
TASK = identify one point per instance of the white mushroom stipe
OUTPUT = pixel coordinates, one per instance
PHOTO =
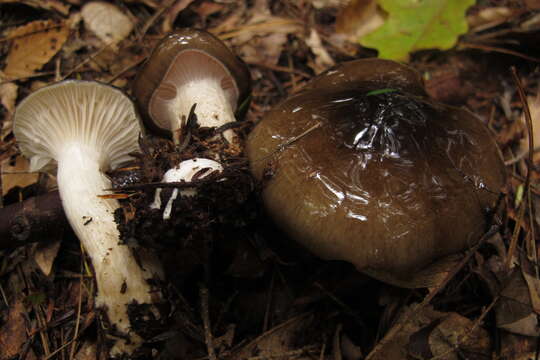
(196, 78)
(184, 172)
(87, 128)
(214, 113)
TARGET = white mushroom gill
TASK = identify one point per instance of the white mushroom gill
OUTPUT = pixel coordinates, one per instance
(88, 128)
(195, 78)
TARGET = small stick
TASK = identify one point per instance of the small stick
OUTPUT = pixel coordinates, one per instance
(30, 220)
(527, 187)
(203, 293)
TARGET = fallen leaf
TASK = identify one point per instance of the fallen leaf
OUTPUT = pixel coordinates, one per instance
(87, 351)
(533, 4)
(359, 17)
(13, 332)
(54, 5)
(433, 334)
(489, 17)
(8, 96)
(323, 60)
(513, 311)
(517, 347)
(208, 8)
(45, 254)
(455, 338)
(279, 341)
(534, 108)
(398, 346)
(34, 45)
(262, 38)
(320, 4)
(172, 14)
(414, 25)
(107, 21)
(16, 174)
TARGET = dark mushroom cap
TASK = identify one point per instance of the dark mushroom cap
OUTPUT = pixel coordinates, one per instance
(181, 56)
(390, 181)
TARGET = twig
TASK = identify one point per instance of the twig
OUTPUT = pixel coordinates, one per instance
(203, 293)
(78, 320)
(154, 18)
(526, 203)
(291, 141)
(499, 50)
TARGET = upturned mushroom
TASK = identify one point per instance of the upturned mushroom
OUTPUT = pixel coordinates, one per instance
(87, 128)
(362, 166)
(187, 170)
(190, 67)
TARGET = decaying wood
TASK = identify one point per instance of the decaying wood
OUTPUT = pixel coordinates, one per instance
(31, 220)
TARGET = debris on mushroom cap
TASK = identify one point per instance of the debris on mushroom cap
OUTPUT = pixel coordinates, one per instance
(385, 179)
(185, 171)
(88, 127)
(189, 67)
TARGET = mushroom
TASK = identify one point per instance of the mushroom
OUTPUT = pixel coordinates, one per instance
(190, 67)
(362, 166)
(185, 171)
(87, 128)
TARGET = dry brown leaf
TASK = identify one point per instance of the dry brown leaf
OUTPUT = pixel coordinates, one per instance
(278, 341)
(533, 4)
(261, 39)
(396, 348)
(87, 351)
(54, 5)
(358, 18)
(513, 311)
(107, 21)
(16, 175)
(323, 60)
(534, 108)
(517, 347)
(533, 283)
(13, 332)
(320, 4)
(456, 332)
(433, 334)
(45, 254)
(489, 17)
(172, 14)
(208, 8)
(8, 96)
(34, 45)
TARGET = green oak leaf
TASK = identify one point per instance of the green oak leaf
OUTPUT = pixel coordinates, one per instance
(418, 24)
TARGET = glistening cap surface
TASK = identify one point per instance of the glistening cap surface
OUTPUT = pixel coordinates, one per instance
(85, 112)
(386, 179)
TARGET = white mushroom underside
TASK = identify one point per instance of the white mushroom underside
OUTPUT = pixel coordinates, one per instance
(194, 77)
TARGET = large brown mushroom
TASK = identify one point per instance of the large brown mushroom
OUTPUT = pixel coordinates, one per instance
(362, 166)
(188, 67)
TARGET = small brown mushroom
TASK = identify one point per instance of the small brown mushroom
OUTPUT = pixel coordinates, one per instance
(190, 67)
(362, 166)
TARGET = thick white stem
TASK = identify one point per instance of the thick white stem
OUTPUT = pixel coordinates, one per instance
(119, 278)
(213, 107)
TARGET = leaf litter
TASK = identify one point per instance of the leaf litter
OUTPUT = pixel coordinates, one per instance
(264, 298)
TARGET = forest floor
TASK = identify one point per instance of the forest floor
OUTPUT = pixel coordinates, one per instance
(236, 287)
